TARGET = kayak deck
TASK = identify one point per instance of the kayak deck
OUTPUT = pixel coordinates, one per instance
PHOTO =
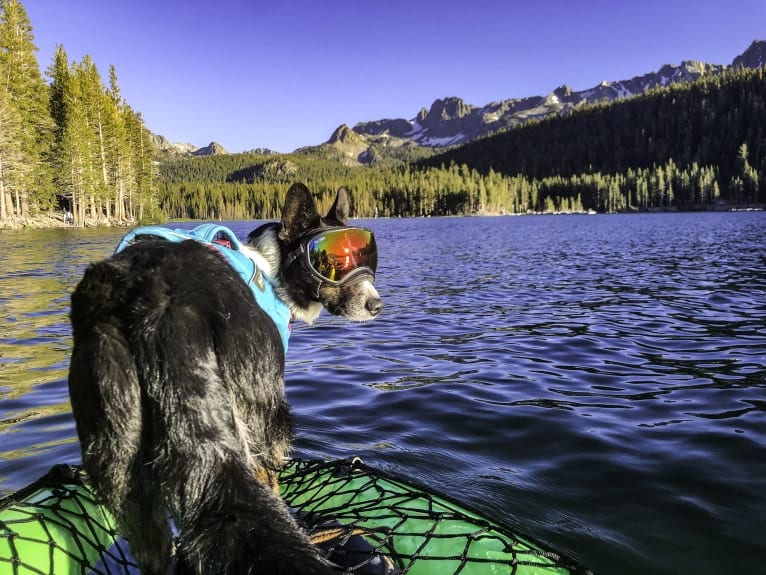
(55, 525)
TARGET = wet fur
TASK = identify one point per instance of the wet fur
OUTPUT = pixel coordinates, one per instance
(177, 387)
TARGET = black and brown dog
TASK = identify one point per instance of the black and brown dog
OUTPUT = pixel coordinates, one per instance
(177, 388)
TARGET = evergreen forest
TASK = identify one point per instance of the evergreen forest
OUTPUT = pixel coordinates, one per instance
(70, 144)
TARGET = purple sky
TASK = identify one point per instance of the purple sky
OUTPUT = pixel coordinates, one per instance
(282, 74)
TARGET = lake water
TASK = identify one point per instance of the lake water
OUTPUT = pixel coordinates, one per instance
(599, 381)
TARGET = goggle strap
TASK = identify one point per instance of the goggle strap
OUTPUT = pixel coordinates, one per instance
(294, 255)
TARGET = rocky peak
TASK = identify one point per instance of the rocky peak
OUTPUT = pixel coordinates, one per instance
(162, 144)
(212, 149)
(350, 144)
(696, 67)
(687, 71)
(398, 128)
(447, 109)
(344, 135)
(753, 57)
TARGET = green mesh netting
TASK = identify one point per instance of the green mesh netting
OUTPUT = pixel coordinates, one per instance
(55, 526)
(420, 532)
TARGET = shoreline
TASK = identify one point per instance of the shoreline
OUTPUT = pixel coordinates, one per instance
(45, 221)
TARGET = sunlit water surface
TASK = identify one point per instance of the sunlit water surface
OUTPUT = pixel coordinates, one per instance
(598, 381)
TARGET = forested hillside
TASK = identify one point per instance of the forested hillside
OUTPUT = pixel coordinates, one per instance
(684, 146)
(694, 146)
(70, 145)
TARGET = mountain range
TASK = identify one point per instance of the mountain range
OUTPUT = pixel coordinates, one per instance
(451, 121)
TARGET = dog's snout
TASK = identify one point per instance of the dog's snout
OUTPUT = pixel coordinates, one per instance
(374, 305)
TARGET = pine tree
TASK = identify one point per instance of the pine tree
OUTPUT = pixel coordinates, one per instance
(58, 72)
(60, 77)
(76, 174)
(117, 146)
(93, 100)
(11, 158)
(23, 85)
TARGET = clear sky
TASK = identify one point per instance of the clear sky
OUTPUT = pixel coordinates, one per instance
(282, 74)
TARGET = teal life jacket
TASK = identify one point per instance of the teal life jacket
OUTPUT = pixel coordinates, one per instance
(223, 240)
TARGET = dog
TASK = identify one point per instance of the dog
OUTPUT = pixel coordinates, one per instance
(177, 387)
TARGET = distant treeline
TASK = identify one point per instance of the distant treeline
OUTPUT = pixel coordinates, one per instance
(407, 191)
(69, 145)
(253, 186)
(695, 146)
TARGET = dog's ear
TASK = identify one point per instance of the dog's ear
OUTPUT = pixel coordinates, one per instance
(299, 214)
(340, 209)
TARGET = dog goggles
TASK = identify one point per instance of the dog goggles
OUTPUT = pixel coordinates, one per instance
(336, 255)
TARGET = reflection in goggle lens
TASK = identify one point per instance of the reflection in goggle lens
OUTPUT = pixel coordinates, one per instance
(337, 254)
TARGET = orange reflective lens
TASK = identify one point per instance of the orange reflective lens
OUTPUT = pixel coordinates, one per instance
(338, 254)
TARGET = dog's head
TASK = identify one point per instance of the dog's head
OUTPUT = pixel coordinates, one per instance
(308, 271)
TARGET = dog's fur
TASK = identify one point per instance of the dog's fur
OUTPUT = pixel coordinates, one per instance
(176, 383)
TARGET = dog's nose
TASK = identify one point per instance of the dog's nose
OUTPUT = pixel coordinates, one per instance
(374, 305)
